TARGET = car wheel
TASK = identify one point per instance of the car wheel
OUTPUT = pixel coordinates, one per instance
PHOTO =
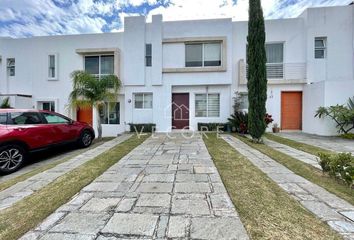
(11, 158)
(85, 139)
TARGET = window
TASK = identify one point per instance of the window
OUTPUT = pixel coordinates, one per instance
(207, 105)
(99, 65)
(110, 113)
(203, 54)
(275, 57)
(55, 119)
(148, 55)
(3, 118)
(320, 47)
(243, 101)
(11, 67)
(20, 118)
(143, 100)
(52, 67)
(48, 106)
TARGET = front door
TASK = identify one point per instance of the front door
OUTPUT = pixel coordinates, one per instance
(291, 110)
(84, 115)
(180, 110)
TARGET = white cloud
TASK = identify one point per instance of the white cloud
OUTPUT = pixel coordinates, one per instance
(20, 18)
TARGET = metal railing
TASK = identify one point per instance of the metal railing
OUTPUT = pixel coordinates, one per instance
(284, 71)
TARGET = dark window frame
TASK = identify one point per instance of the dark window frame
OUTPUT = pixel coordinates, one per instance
(148, 55)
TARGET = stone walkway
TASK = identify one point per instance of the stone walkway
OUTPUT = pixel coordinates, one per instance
(165, 188)
(336, 212)
(299, 155)
(335, 144)
(20, 190)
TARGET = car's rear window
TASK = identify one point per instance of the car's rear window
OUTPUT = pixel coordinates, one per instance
(20, 118)
(3, 118)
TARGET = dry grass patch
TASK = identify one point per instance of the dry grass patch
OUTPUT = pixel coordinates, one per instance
(266, 210)
(29, 212)
(305, 170)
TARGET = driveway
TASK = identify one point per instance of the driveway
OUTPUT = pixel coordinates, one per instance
(42, 158)
(165, 188)
(336, 144)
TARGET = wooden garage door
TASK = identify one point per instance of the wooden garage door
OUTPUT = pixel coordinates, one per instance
(291, 110)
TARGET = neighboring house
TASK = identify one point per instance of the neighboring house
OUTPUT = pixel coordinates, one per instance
(190, 69)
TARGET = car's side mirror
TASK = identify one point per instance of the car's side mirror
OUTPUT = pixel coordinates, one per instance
(71, 122)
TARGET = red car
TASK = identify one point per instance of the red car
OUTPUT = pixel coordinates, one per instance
(24, 131)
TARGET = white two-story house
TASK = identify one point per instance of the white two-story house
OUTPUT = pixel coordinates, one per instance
(181, 73)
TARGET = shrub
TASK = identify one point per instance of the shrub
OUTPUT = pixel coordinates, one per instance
(5, 103)
(339, 166)
(142, 127)
(213, 126)
(239, 121)
(342, 115)
(268, 119)
(348, 136)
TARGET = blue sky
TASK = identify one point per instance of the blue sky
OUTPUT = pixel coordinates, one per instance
(25, 18)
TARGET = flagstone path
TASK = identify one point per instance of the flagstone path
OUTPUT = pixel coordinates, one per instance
(297, 154)
(336, 212)
(20, 190)
(164, 188)
(335, 144)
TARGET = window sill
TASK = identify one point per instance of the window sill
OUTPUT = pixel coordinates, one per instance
(53, 79)
(194, 69)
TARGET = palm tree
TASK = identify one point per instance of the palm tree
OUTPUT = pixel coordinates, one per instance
(89, 91)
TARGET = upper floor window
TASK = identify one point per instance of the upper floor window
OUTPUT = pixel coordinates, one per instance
(99, 65)
(275, 58)
(52, 68)
(148, 55)
(203, 54)
(11, 67)
(143, 100)
(320, 47)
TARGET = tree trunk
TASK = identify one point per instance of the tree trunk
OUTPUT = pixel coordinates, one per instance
(257, 73)
(99, 125)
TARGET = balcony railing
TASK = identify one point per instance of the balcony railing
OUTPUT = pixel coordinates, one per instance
(277, 71)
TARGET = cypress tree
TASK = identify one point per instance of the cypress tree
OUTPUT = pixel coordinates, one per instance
(257, 75)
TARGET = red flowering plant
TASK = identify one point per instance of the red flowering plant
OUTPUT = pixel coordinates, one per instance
(268, 119)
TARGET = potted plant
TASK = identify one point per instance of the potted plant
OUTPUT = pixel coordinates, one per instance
(276, 128)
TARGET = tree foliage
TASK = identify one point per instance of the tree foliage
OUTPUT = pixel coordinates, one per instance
(89, 91)
(342, 115)
(257, 76)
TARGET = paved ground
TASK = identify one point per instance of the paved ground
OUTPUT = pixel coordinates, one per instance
(300, 155)
(336, 212)
(25, 188)
(42, 158)
(165, 188)
(332, 143)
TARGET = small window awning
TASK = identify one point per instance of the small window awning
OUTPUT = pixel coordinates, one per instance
(83, 51)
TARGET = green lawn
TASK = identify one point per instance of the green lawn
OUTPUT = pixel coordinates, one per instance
(29, 212)
(314, 150)
(266, 210)
(305, 170)
(25, 176)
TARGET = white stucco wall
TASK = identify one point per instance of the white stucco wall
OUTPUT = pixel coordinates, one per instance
(328, 81)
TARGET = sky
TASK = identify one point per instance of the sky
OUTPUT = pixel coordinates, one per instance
(26, 18)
